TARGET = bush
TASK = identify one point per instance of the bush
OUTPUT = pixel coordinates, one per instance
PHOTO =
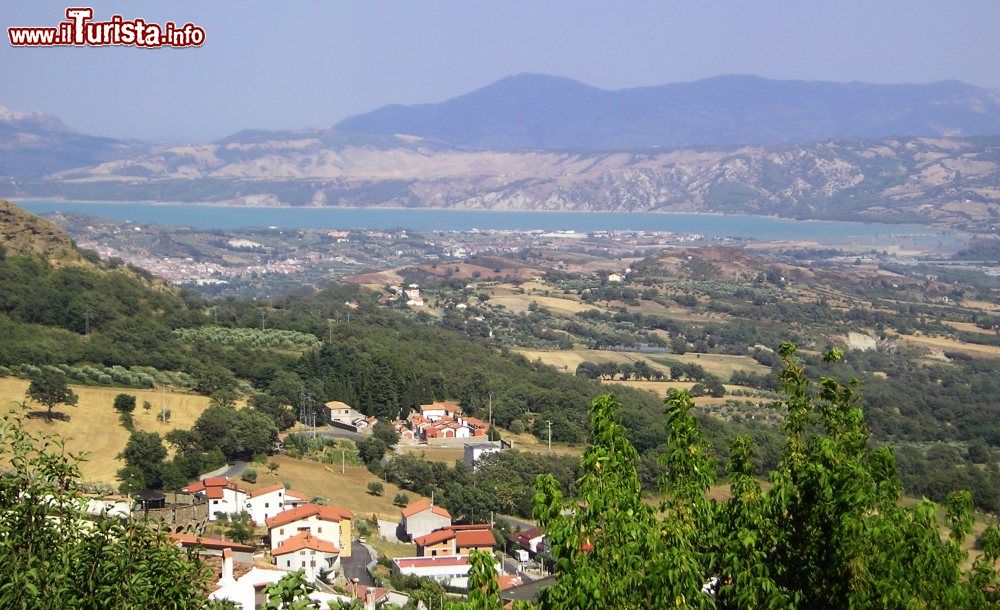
(249, 475)
(375, 488)
(401, 499)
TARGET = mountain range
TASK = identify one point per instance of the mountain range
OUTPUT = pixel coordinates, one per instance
(535, 111)
(915, 153)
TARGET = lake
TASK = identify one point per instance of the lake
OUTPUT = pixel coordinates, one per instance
(710, 225)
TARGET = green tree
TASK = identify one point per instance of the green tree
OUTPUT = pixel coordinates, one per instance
(125, 403)
(59, 557)
(290, 593)
(401, 499)
(50, 389)
(375, 488)
(143, 455)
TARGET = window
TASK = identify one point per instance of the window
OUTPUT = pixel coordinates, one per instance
(288, 563)
(281, 532)
(319, 530)
(267, 505)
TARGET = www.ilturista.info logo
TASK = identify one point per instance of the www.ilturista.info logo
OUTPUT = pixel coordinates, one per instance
(79, 29)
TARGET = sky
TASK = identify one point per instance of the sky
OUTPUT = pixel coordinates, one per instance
(291, 65)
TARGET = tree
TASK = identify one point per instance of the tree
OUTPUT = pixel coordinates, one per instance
(290, 593)
(371, 450)
(401, 499)
(255, 433)
(51, 389)
(125, 404)
(59, 557)
(384, 431)
(143, 455)
(375, 488)
(830, 532)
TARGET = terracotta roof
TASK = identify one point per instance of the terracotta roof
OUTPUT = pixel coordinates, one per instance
(474, 538)
(507, 581)
(213, 483)
(428, 562)
(421, 505)
(527, 535)
(266, 490)
(360, 591)
(435, 537)
(240, 569)
(295, 495)
(187, 540)
(325, 513)
(447, 407)
(305, 540)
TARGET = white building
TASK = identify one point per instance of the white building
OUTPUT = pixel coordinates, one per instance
(262, 504)
(323, 522)
(449, 570)
(474, 451)
(223, 496)
(244, 584)
(319, 559)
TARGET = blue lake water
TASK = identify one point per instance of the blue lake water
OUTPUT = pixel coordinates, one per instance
(743, 226)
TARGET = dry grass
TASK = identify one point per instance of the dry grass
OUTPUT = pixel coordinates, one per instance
(94, 426)
(518, 303)
(983, 305)
(721, 365)
(348, 490)
(447, 455)
(391, 549)
(944, 344)
(528, 442)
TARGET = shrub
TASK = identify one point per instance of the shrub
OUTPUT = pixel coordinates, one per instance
(249, 475)
(401, 499)
(375, 488)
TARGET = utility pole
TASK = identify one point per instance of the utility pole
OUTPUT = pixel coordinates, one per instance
(329, 324)
(491, 410)
(86, 317)
(163, 403)
(550, 435)
(215, 312)
(343, 461)
(262, 320)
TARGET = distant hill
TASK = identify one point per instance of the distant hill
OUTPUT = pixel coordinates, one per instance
(33, 144)
(535, 111)
(947, 181)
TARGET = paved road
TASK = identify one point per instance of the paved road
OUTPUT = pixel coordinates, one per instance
(356, 566)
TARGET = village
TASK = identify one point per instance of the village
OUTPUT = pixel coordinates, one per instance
(322, 540)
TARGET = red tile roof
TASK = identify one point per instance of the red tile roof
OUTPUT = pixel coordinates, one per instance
(447, 407)
(305, 540)
(295, 495)
(360, 591)
(435, 537)
(424, 504)
(266, 490)
(427, 562)
(526, 536)
(189, 541)
(474, 538)
(509, 581)
(325, 513)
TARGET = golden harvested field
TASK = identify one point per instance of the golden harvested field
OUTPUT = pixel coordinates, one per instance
(447, 455)
(348, 490)
(94, 426)
(528, 442)
(983, 305)
(944, 344)
(660, 388)
(721, 365)
(518, 303)
(968, 327)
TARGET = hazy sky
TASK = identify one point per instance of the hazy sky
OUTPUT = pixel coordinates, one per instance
(279, 65)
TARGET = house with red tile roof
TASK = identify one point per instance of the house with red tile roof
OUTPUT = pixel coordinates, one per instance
(421, 518)
(327, 523)
(264, 503)
(212, 546)
(318, 558)
(222, 495)
(532, 540)
(450, 570)
(456, 540)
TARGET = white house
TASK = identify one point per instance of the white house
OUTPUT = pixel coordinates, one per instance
(474, 451)
(316, 557)
(244, 583)
(262, 504)
(450, 570)
(421, 518)
(222, 495)
(323, 522)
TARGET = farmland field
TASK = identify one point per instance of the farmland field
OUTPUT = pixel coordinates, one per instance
(94, 426)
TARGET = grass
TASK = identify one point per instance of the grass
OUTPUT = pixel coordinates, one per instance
(94, 426)
(346, 490)
(944, 344)
(447, 455)
(389, 549)
(722, 365)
